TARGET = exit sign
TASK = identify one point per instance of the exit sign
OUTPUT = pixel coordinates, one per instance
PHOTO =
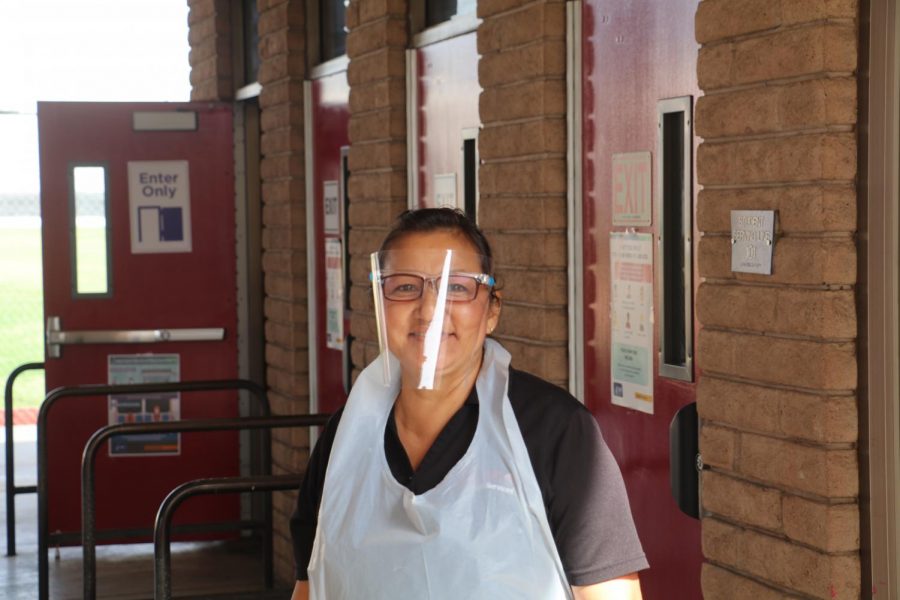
(631, 191)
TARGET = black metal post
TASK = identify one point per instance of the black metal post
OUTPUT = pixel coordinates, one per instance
(162, 535)
(11, 489)
(103, 390)
(88, 493)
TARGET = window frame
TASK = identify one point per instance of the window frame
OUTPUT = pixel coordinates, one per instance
(683, 105)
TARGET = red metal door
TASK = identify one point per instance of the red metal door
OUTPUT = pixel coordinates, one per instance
(447, 115)
(636, 54)
(165, 259)
(330, 118)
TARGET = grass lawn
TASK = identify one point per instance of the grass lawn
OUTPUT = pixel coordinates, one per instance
(21, 301)
(21, 312)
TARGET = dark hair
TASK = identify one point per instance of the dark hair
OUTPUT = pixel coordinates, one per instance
(426, 220)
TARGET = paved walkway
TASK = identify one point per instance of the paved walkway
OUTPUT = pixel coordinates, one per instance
(21, 416)
(124, 572)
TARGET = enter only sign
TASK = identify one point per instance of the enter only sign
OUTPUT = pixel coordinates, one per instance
(631, 189)
(160, 206)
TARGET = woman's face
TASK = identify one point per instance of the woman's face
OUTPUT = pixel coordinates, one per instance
(465, 324)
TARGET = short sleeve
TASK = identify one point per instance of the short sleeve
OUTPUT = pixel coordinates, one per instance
(305, 518)
(588, 509)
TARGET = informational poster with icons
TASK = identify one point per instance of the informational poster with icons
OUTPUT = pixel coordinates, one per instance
(631, 315)
(148, 407)
(334, 295)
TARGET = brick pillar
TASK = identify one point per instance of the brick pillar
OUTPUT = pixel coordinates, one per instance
(522, 179)
(777, 394)
(376, 46)
(281, 74)
(210, 56)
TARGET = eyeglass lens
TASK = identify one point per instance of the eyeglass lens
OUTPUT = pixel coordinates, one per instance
(410, 287)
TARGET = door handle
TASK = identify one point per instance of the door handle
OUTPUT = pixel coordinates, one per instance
(684, 460)
(56, 337)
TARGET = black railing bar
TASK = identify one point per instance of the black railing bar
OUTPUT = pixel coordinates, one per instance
(273, 594)
(73, 538)
(11, 488)
(204, 385)
(162, 559)
(88, 495)
(100, 390)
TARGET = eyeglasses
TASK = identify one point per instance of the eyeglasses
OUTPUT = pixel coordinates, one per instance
(461, 287)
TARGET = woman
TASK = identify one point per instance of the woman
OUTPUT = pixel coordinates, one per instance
(449, 474)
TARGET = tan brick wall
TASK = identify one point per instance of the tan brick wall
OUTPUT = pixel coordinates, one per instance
(376, 45)
(777, 394)
(281, 74)
(210, 55)
(282, 49)
(522, 181)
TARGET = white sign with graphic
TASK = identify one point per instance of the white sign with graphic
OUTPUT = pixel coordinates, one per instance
(334, 295)
(631, 313)
(159, 206)
(331, 207)
(445, 190)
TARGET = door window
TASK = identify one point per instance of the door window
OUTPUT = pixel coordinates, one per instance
(675, 207)
(250, 50)
(89, 227)
(470, 175)
(438, 11)
(333, 34)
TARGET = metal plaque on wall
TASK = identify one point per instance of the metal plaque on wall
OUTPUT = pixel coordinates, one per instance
(752, 241)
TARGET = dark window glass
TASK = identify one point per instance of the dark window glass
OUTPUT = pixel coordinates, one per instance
(470, 165)
(251, 41)
(675, 350)
(345, 222)
(333, 35)
(438, 11)
(345, 176)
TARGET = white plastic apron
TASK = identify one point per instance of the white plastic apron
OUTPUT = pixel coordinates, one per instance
(482, 532)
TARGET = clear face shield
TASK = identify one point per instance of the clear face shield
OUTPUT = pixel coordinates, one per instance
(432, 308)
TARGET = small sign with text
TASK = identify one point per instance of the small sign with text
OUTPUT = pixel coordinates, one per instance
(752, 241)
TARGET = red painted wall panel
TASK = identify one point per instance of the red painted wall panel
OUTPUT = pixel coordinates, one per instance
(635, 53)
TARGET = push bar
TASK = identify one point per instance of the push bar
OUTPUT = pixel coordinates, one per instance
(56, 337)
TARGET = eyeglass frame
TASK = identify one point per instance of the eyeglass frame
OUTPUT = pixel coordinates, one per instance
(481, 279)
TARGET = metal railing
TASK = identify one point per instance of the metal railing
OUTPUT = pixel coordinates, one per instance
(44, 536)
(11, 488)
(162, 531)
(88, 493)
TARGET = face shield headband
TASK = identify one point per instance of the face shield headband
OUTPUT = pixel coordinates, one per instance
(430, 312)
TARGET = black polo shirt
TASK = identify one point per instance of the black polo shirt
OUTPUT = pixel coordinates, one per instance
(580, 482)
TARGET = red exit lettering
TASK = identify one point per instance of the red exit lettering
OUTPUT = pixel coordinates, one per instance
(631, 188)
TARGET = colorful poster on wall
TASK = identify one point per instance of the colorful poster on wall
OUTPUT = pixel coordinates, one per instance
(159, 206)
(144, 408)
(631, 314)
(331, 207)
(334, 295)
(445, 190)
